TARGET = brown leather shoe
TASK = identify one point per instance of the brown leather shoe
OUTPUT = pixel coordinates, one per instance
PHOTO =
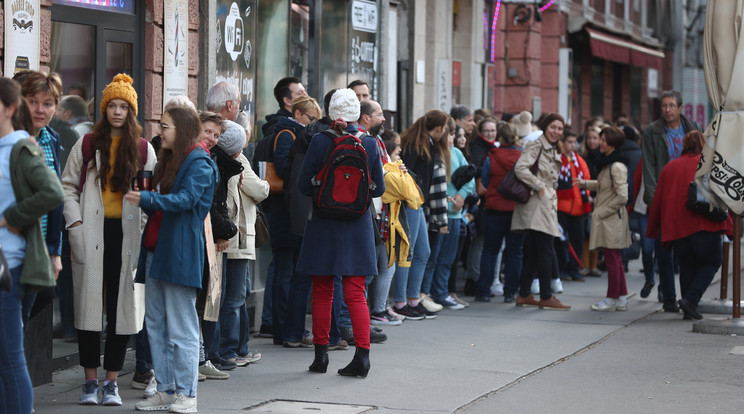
(553, 303)
(528, 301)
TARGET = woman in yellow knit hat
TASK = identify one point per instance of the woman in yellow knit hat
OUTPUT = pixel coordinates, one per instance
(105, 234)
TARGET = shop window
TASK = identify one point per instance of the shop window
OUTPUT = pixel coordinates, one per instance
(635, 94)
(597, 88)
(272, 60)
(299, 41)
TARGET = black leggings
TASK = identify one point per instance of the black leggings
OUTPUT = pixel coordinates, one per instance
(89, 342)
(538, 261)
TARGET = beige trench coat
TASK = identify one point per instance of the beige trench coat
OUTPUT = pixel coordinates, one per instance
(86, 248)
(539, 214)
(241, 208)
(610, 217)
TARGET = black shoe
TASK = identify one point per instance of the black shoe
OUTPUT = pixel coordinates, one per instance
(659, 295)
(422, 310)
(266, 332)
(508, 298)
(376, 329)
(376, 337)
(482, 299)
(410, 313)
(690, 308)
(671, 306)
(320, 363)
(471, 287)
(227, 364)
(646, 290)
(359, 366)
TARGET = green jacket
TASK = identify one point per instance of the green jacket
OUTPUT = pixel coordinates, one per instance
(656, 153)
(37, 191)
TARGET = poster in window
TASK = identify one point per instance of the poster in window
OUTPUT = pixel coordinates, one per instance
(363, 35)
(176, 50)
(21, 36)
(236, 35)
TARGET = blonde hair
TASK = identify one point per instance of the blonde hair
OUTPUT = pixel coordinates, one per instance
(305, 104)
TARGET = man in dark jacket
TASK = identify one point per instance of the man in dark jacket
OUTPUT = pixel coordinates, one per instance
(662, 142)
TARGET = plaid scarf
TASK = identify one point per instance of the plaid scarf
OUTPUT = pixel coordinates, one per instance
(438, 197)
(565, 181)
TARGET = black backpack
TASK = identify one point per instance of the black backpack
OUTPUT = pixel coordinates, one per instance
(342, 186)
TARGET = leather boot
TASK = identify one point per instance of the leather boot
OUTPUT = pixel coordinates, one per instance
(359, 366)
(320, 363)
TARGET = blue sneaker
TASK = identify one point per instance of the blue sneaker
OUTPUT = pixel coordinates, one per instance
(110, 393)
(90, 393)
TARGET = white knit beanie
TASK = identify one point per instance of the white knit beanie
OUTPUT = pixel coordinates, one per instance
(344, 105)
(232, 140)
(523, 122)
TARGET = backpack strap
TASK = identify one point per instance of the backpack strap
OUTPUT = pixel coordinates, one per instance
(87, 149)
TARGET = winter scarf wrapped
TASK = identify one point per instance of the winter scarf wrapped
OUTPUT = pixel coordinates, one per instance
(565, 181)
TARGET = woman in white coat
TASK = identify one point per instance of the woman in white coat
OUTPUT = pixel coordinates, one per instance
(105, 234)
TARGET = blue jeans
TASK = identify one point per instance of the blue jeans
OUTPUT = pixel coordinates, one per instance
(439, 266)
(407, 280)
(666, 271)
(638, 223)
(284, 264)
(15, 384)
(245, 323)
(173, 329)
(233, 297)
(699, 260)
(381, 288)
(299, 292)
(266, 315)
(498, 228)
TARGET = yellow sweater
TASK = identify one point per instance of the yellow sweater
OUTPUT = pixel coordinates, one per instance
(399, 187)
(111, 199)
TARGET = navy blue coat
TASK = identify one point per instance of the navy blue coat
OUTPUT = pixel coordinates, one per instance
(338, 247)
(179, 252)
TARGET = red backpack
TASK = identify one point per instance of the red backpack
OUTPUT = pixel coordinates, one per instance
(88, 154)
(342, 186)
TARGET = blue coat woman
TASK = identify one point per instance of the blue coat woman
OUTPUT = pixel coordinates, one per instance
(336, 247)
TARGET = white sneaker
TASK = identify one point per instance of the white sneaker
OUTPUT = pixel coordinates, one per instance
(556, 286)
(152, 387)
(535, 289)
(160, 401)
(497, 288)
(621, 304)
(429, 304)
(605, 305)
(183, 404)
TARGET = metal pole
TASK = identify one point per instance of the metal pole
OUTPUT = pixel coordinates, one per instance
(736, 285)
(725, 271)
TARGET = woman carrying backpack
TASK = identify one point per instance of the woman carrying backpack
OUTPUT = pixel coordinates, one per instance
(105, 233)
(339, 247)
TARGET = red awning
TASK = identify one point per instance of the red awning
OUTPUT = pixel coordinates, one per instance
(619, 50)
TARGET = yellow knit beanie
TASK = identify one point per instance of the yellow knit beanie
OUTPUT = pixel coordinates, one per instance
(120, 88)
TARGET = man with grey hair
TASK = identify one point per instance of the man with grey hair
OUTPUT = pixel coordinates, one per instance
(662, 142)
(224, 99)
(463, 116)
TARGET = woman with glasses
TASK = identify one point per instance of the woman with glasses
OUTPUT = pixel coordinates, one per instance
(105, 234)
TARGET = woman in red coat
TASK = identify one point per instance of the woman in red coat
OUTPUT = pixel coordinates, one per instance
(696, 239)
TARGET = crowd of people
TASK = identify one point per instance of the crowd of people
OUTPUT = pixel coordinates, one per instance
(177, 215)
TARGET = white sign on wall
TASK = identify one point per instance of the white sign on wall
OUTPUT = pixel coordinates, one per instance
(22, 27)
(444, 84)
(176, 50)
(364, 16)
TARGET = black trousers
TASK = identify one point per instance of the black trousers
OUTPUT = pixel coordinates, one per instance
(89, 342)
(573, 226)
(538, 261)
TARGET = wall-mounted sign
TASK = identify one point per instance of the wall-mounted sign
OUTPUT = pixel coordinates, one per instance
(236, 34)
(363, 62)
(176, 49)
(119, 6)
(364, 16)
(21, 36)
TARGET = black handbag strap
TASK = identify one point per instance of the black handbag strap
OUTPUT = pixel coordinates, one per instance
(536, 166)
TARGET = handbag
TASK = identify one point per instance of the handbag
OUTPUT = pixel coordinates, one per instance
(6, 281)
(699, 201)
(513, 188)
(262, 229)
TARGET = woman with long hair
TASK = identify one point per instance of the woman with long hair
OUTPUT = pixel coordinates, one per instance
(589, 150)
(610, 217)
(419, 149)
(30, 189)
(339, 247)
(172, 258)
(537, 217)
(105, 233)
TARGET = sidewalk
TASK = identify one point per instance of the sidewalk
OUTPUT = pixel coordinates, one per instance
(488, 358)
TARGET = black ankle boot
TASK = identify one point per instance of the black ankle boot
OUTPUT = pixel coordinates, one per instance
(359, 366)
(320, 363)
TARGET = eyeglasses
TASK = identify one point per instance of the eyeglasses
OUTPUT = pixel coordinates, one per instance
(311, 118)
(380, 115)
(164, 126)
(669, 106)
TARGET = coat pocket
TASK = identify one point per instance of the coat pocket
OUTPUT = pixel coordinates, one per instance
(77, 243)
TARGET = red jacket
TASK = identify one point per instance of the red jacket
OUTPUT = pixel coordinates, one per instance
(574, 205)
(501, 160)
(668, 210)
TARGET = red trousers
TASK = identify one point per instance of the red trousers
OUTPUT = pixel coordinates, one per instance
(355, 300)
(616, 286)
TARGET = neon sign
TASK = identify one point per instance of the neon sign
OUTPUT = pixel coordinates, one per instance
(119, 6)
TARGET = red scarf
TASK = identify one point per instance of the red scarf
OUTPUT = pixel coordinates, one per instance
(565, 181)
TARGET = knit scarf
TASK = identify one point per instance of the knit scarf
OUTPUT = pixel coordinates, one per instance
(565, 181)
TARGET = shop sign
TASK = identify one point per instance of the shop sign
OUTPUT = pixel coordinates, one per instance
(119, 6)
(364, 16)
(21, 36)
(363, 34)
(236, 32)
(176, 59)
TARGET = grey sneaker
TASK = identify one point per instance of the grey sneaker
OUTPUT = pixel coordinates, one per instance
(152, 387)
(160, 401)
(111, 393)
(141, 381)
(209, 371)
(248, 358)
(90, 393)
(183, 404)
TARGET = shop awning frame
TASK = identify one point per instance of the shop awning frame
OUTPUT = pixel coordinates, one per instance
(624, 51)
